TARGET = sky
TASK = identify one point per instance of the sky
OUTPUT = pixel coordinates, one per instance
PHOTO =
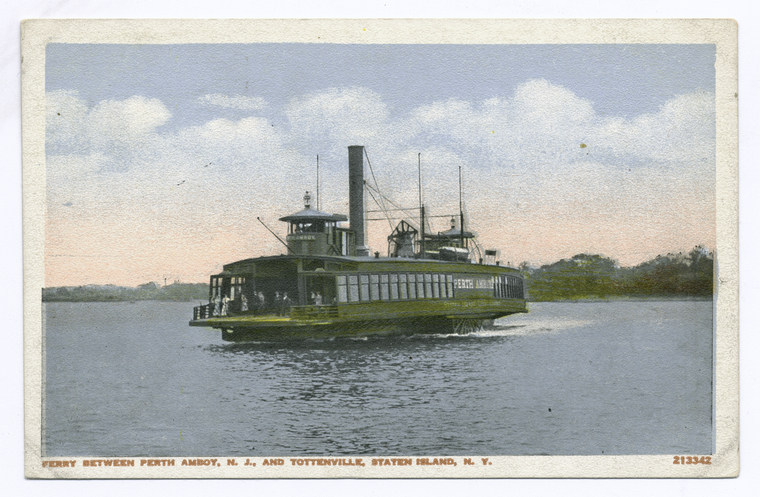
(160, 157)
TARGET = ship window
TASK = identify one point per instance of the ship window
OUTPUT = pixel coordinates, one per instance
(412, 287)
(428, 284)
(436, 291)
(517, 288)
(402, 286)
(420, 286)
(450, 284)
(394, 287)
(442, 285)
(342, 288)
(353, 288)
(364, 286)
(374, 289)
(384, 294)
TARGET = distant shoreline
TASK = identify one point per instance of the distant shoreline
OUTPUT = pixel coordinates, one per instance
(176, 292)
(106, 301)
(642, 298)
(582, 278)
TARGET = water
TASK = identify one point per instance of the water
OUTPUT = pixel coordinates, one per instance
(132, 379)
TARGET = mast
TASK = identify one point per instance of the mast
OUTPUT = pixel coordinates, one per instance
(461, 211)
(422, 208)
(317, 202)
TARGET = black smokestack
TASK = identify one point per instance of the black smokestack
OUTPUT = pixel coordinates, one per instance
(356, 196)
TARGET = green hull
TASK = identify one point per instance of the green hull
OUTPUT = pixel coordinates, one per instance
(362, 319)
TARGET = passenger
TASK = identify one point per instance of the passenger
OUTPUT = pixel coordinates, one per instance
(225, 305)
(262, 302)
(278, 304)
(318, 299)
(285, 305)
(243, 303)
(217, 306)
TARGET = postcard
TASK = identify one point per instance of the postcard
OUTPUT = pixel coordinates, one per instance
(380, 248)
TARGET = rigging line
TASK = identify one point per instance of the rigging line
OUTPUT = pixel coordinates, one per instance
(385, 211)
(275, 235)
(389, 210)
(372, 171)
(449, 216)
(406, 210)
(477, 246)
(444, 215)
(385, 219)
(390, 223)
(388, 199)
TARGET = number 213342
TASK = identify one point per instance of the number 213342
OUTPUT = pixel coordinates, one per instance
(692, 460)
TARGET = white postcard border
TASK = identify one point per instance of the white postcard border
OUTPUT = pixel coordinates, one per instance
(723, 33)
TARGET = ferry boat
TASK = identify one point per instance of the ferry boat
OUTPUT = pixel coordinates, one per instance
(329, 285)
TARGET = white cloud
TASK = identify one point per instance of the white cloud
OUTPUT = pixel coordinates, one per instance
(125, 121)
(347, 116)
(540, 123)
(548, 106)
(682, 131)
(115, 128)
(526, 177)
(237, 102)
(545, 125)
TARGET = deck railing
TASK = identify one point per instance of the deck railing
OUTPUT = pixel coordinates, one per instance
(203, 311)
(296, 312)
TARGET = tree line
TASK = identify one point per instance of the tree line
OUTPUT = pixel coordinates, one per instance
(177, 292)
(586, 276)
(583, 276)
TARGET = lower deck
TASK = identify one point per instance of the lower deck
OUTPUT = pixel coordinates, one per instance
(363, 319)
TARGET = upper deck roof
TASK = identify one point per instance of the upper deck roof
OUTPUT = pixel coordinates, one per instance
(310, 214)
(385, 262)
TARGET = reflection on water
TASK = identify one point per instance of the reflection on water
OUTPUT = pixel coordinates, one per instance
(612, 378)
